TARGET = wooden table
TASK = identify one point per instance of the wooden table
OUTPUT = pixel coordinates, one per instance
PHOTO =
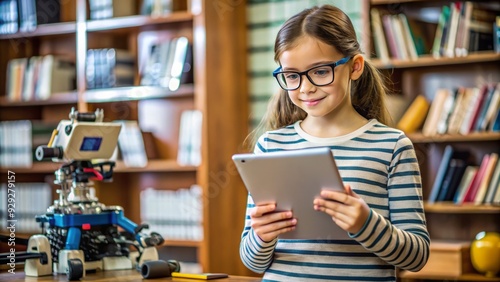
(113, 275)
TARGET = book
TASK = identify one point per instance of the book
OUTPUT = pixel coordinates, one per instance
(492, 108)
(450, 42)
(451, 180)
(434, 115)
(397, 27)
(201, 276)
(468, 176)
(391, 37)
(189, 150)
(440, 33)
(443, 167)
(415, 115)
(482, 189)
(472, 110)
(378, 36)
(494, 185)
(463, 100)
(471, 192)
(408, 37)
(446, 111)
(131, 144)
(462, 45)
(481, 116)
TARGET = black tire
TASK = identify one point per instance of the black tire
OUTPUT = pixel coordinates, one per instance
(75, 269)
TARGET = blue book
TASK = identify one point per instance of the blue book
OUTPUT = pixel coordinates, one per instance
(442, 181)
(496, 122)
(443, 167)
(452, 179)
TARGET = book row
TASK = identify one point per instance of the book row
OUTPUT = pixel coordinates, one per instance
(462, 110)
(109, 67)
(175, 214)
(25, 15)
(38, 77)
(31, 199)
(463, 27)
(462, 180)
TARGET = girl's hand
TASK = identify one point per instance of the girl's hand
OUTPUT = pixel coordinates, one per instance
(268, 224)
(347, 210)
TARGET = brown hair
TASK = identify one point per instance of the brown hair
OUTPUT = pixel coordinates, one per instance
(332, 26)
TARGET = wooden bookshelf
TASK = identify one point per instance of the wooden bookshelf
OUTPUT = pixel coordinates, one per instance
(428, 61)
(449, 138)
(131, 23)
(136, 93)
(467, 208)
(216, 80)
(411, 276)
(425, 75)
(55, 99)
(44, 30)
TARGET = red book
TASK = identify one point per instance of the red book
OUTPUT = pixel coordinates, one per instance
(471, 192)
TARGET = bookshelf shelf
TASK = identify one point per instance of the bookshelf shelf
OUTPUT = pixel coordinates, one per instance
(55, 99)
(156, 110)
(465, 277)
(182, 243)
(136, 93)
(139, 21)
(382, 2)
(448, 207)
(472, 137)
(416, 55)
(40, 168)
(428, 60)
(44, 30)
(155, 166)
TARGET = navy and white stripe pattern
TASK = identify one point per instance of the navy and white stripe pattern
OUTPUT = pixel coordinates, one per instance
(380, 164)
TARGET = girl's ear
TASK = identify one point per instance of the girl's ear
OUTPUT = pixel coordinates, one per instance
(358, 65)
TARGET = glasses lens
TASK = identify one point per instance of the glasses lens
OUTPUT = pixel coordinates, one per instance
(288, 80)
(322, 75)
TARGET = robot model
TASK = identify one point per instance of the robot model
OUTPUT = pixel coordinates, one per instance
(80, 233)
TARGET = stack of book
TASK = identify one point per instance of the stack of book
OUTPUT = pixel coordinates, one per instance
(109, 67)
(39, 77)
(168, 63)
(25, 15)
(131, 144)
(105, 9)
(189, 152)
(462, 110)
(32, 199)
(175, 214)
(19, 140)
(459, 180)
(463, 27)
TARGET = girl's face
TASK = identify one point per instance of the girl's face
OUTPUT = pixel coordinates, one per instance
(318, 101)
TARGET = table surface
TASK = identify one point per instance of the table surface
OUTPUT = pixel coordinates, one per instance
(112, 275)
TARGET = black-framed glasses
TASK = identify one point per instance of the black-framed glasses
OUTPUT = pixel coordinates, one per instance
(320, 75)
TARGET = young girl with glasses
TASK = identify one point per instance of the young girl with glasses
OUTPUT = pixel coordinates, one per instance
(331, 97)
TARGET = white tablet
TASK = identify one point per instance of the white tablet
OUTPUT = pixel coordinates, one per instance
(293, 179)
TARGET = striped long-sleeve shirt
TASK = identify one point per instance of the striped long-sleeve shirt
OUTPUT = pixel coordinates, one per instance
(380, 165)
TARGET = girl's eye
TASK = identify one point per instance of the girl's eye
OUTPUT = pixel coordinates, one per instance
(291, 76)
(321, 71)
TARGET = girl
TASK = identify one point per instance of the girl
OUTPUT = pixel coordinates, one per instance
(332, 97)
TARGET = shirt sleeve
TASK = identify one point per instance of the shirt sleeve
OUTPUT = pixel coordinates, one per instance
(403, 239)
(256, 254)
